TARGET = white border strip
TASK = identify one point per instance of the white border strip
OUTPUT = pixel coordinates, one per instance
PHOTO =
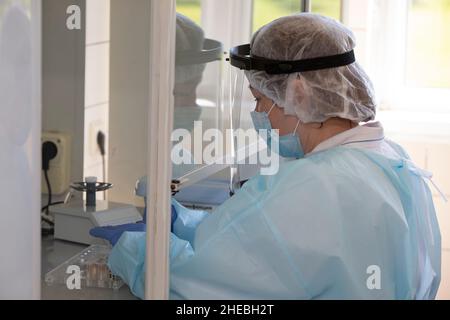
(162, 69)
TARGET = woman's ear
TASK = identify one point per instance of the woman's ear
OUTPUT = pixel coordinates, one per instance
(296, 91)
(255, 92)
(264, 102)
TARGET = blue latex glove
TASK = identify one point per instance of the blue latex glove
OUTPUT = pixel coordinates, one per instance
(113, 234)
(173, 216)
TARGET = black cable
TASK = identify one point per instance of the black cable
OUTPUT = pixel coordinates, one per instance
(51, 205)
(49, 188)
(46, 208)
(104, 167)
(101, 145)
(101, 142)
(49, 152)
(51, 223)
(47, 232)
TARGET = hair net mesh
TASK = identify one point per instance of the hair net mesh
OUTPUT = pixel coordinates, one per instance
(189, 37)
(313, 96)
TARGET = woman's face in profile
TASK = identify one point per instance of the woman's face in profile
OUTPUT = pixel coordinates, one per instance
(284, 123)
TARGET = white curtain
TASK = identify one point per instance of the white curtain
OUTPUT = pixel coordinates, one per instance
(386, 47)
(20, 150)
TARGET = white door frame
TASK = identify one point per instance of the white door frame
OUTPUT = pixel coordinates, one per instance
(162, 73)
(36, 149)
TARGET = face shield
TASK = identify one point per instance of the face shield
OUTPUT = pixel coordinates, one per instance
(271, 73)
(197, 82)
(305, 63)
(197, 100)
(243, 62)
(242, 58)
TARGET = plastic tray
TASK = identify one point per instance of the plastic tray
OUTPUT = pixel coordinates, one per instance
(94, 272)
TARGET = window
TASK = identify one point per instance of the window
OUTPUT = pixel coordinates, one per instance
(405, 51)
(428, 46)
(191, 9)
(329, 8)
(265, 11)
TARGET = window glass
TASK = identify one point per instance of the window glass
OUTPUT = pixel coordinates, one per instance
(191, 9)
(265, 11)
(428, 48)
(329, 8)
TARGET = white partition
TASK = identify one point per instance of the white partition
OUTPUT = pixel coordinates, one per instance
(160, 118)
(20, 127)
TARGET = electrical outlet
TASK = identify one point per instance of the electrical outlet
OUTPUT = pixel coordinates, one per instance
(59, 173)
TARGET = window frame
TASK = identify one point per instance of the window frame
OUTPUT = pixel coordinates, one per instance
(413, 98)
(396, 94)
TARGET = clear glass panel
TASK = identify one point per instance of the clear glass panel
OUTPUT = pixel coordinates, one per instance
(198, 93)
(428, 50)
(95, 109)
(329, 8)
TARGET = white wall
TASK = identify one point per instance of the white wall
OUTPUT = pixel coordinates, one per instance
(63, 64)
(76, 80)
(20, 116)
(96, 85)
(129, 98)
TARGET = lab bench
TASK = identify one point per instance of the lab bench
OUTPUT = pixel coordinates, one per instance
(203, 196)
(54, 253)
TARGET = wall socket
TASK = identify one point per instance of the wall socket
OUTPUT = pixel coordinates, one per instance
(59, 173)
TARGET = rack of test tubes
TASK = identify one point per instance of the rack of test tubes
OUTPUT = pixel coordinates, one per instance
(90, 266)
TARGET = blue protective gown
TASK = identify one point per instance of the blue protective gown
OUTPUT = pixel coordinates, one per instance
(344, 223)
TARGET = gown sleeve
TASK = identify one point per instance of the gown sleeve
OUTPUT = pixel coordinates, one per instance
(127, 258)
(310, 232)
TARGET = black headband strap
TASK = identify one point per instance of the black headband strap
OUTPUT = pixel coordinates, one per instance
(241, 57)
(212, 51)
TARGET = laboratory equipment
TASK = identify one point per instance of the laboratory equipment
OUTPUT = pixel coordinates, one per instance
(73, 220)
(91, 187)
(93, 270)
(199, 189)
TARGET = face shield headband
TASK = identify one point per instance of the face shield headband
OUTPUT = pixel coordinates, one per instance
(212, 51)
(241, 57)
